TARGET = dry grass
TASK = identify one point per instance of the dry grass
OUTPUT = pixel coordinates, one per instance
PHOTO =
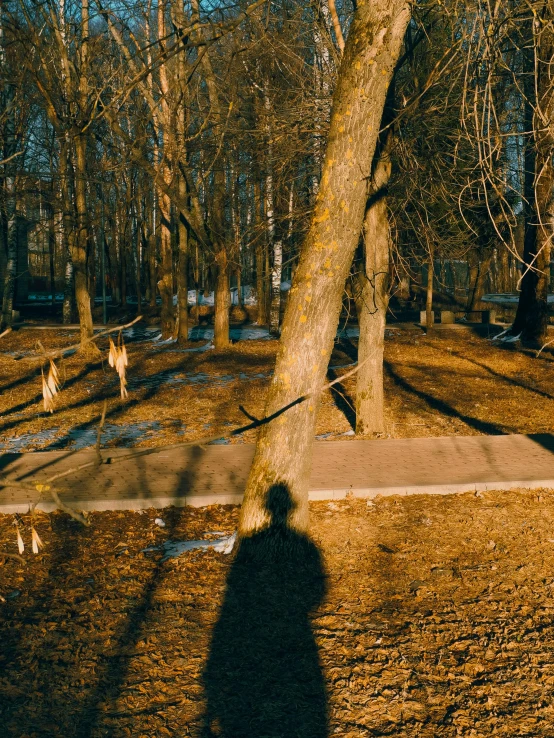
(443, 385)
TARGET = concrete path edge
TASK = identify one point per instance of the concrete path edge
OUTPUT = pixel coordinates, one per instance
(136, 503)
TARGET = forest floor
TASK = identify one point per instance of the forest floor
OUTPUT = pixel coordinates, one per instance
(417, 616)
(448, 383)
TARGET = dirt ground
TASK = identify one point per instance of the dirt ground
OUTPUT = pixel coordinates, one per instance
(419, 616)
(452, 383)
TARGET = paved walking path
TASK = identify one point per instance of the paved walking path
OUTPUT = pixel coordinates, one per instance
(217, 474)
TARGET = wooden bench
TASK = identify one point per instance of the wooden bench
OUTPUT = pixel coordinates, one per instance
(448, 317)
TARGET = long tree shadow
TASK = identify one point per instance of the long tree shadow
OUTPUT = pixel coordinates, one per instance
(503, 377)
(442, 407)
(263, 675)
(38, 397)
(27, 377)
(112, 675)
(83, 715)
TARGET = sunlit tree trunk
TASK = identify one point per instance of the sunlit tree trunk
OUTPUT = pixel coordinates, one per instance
(166, 253)
(182, 291)
(283, 450)
(80, 243)
(165, 285)
(429, 314)
(372, 293)
(79, 251)
(68, 290)
(222, 300)
(183, 234)
(372, 299)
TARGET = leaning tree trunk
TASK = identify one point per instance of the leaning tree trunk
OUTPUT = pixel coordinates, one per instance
(372, 300)
(283, 450)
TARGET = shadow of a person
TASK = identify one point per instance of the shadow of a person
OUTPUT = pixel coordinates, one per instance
(263, 677)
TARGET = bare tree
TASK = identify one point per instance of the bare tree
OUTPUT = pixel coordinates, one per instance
(283, 448)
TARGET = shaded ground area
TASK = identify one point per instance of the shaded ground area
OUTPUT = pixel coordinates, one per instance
(417, 616)
(448, 384)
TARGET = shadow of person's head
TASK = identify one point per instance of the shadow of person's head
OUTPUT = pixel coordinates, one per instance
(263, 676)
(279, 504)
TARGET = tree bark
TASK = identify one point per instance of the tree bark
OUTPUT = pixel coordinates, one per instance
(80, 243)
(222, 294)
(165, 285)
(10, 272)
(275, 305)
(183, 234)
(531, 321)
(11, 264)
(372, 300)
(182, 289)
(260, 259)
(68, 290)
(283, 450)
(429, 315)
(479, 266)
(372, 294)
(52, 256)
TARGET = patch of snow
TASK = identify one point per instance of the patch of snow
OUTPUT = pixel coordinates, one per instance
(174, 549)
(159, 522)
(41, 297)
(506, 337)
(249, 295)
(236, 333)
(511, 339)
(508, 298)
(25, 440)
(348, 331)
(80, 438)
(343, 366)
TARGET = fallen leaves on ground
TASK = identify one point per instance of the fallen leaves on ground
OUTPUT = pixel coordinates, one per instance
(438, 620)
